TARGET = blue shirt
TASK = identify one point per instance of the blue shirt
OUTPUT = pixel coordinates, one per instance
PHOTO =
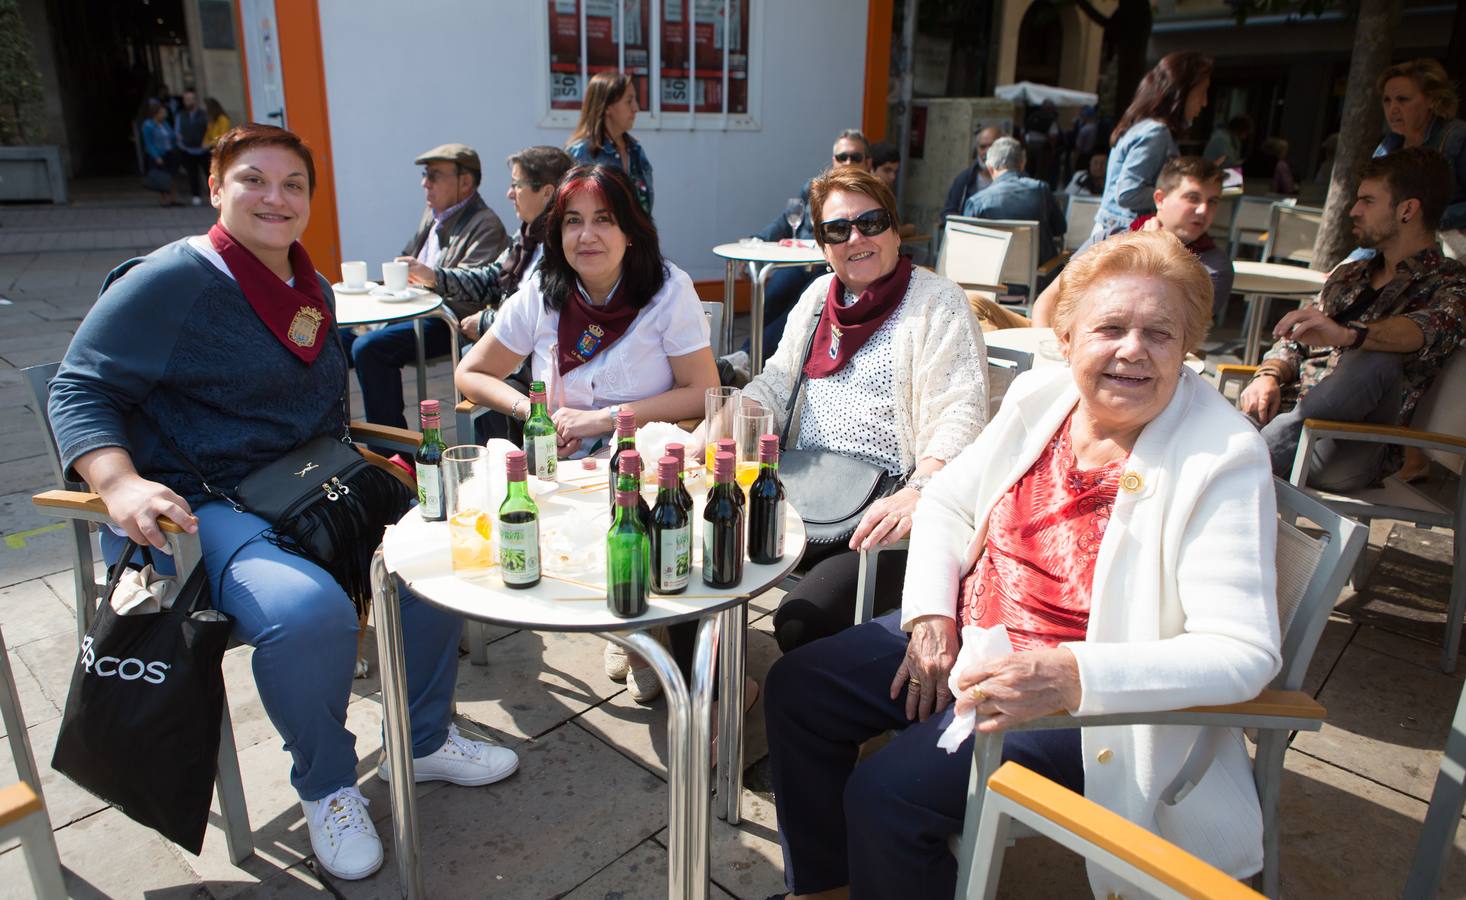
(1449, 139)
(158, 140)
(585, 154)
(1135, 164)
(1014, 196)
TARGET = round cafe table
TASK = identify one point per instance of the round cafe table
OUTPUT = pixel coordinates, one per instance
(762, 258)
(1258, 283)
(354, 309)
(414, 554)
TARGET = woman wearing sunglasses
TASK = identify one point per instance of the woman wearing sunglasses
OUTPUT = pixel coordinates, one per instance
(896, 377)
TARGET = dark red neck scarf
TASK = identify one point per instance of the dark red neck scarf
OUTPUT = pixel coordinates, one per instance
(842, 330)
(1197, 247)
(587, 330)
(297, 316)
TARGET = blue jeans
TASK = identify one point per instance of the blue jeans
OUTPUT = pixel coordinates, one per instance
(303, 628)
(378, 357)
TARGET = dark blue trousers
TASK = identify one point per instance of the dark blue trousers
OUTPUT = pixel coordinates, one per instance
(880, 827)
(378, 357)
(783, 290)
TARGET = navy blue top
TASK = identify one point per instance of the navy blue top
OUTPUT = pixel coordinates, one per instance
(172, 343)
(779, 229)
(1014, 196)
(1449, 139)
(585, 154)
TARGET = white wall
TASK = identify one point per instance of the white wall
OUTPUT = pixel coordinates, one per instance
(404, 77)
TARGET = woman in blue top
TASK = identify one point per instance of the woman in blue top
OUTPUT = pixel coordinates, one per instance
(160, 146)
(1420, 111)
(1169, 97)
(603, 135)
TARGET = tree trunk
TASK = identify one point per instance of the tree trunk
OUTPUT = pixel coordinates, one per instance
(1456, 49)
(1129, 33)
(1359, 131)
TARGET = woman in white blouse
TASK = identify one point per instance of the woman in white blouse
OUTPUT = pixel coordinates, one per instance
(902, 385)
(623, 325)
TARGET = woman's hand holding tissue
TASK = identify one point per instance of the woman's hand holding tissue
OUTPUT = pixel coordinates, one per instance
(923, 674)
(579, 423)
(1018, 687)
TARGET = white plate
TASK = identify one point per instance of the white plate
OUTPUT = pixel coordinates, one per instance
(341, 288)
(386, 296)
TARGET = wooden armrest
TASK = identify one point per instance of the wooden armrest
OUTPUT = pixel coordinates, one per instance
(1115, 834)
(384, 435)
(1269, 709)
(1225, 369)
(1400, 434)
(17, 802)
(690, 425)
(1271, 704)
(1053, 262)
(82, 505)
(465, 406)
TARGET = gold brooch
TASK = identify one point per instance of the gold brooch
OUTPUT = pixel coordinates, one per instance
(1131, 482)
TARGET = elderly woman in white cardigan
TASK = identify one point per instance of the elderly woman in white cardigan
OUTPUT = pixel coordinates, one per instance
(1116, 518)
(896, 377)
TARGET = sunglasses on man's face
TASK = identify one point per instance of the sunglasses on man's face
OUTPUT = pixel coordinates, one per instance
(856, 157)
(870, 224)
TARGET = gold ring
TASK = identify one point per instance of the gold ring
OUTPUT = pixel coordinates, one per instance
(914, 683)
(977, 694)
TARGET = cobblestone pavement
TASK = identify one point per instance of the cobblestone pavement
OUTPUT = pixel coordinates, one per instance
(585, 817)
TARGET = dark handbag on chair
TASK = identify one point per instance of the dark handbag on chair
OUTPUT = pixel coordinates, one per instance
(830, 490)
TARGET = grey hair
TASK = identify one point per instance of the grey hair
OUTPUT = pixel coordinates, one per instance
(1006, 153)
(854, 134)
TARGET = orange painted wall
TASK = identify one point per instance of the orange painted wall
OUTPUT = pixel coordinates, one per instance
(877, 67)
(305, 104)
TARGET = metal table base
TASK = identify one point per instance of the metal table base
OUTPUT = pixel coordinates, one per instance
(758, 274)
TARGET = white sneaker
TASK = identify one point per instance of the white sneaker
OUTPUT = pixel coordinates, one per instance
(461, 761)
(617, 662)
(643, 684)
(342, 834)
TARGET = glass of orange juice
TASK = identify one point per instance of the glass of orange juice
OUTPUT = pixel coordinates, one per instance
(470, 525)
(751, 422)
(719, 405)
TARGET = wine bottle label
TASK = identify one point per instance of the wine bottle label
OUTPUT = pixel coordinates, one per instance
(779, 529)
(676, 558)
(543, 454)
(707, 552)
(519, 551)
(429, 491)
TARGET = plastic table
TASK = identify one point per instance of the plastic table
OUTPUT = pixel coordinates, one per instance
(1258, 283)
(366, 309)
(762, 258)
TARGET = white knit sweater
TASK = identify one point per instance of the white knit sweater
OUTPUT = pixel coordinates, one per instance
(940, 366)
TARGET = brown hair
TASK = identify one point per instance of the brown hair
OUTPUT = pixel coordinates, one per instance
(1430, 77)
(247, 137)
(1179, 167)
(643, 270)
(856, 181)
(1162, 92)
(1143, 254)
(605, 88)
(1414, 173)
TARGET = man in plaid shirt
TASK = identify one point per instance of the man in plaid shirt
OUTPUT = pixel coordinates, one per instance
(1369, 346)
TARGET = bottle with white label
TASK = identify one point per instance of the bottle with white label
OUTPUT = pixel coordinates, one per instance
(539, 435)
(671, 529)
(519, 527)
(427, 462)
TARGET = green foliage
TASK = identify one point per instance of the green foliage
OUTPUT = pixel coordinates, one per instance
(21, 96)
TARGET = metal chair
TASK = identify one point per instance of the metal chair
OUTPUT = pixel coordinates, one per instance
(1221, 226)
(1250, 222)
(1004, 365)
(1080, 218)
(23, 815)
(1021, 266)
(1438, 835)
(1291, 233)
(713, 311)
(1312, 568)
(972, 255)
(1015, 795)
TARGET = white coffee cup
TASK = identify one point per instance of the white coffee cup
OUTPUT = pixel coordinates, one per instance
(394, 276)
(353, 274)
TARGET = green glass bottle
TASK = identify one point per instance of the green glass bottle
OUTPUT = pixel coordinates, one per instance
(428, 461)
(625, 440)
(519, 526)
(628, 546)
(671, 532)
(540, 442)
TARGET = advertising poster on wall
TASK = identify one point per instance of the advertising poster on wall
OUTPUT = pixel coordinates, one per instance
(611, 26)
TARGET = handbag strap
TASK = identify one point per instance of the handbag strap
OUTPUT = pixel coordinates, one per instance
(796, 395)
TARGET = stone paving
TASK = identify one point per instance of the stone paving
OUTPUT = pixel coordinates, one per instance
(585, 816)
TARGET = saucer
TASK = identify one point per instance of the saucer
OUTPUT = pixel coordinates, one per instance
(341, 288)
(409, 293)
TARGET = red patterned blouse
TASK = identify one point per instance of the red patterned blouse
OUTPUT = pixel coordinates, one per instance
(1037, 567)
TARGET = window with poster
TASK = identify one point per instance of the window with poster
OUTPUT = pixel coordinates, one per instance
(690, 59)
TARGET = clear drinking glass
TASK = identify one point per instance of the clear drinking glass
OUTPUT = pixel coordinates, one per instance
(793, 214)
(470, 521)
(751, 422)
(718, 407)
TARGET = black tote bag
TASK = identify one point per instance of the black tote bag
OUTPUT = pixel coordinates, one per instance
(141, 727)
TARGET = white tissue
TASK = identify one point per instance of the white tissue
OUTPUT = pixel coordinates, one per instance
(652, 440)
(979, 646)
(141, 591)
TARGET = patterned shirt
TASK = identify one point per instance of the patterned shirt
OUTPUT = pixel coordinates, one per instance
(1428, 289)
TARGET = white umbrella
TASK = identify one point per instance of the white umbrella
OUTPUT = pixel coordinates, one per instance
(1031, 94)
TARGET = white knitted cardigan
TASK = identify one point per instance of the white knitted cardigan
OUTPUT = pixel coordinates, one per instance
(940, 368)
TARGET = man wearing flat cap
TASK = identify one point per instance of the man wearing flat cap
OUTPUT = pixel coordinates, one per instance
(458, 231)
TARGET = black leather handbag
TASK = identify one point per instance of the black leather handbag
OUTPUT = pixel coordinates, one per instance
(830, 490)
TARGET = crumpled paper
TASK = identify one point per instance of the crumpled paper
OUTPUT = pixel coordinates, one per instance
(141, 591)
(652, 440)
(979, 646)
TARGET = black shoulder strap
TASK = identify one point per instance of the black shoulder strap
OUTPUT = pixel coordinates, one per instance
(795, 394)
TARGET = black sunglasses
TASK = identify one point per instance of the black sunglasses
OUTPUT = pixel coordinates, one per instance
(856, 157)
(870, 223)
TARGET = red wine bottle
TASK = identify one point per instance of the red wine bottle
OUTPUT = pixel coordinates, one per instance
(766, 506)
(628, 547)
(730, 446)
(427, 462)
(625, 439)
(684, 499)
(519, 526)
(722, 527)
(671, 532)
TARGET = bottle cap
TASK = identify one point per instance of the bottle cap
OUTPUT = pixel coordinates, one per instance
(630, 462)
(768, 448)
(677, 452)
(537, 394)
(668, 468)
(516, 466)
(428, 407)
(625, 423)
(726, 445)
(722, 467)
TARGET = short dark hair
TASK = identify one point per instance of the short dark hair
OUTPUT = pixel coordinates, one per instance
(1414, 173)
(247, 137)
(542, 164)
(643, 271)
(882, 153)
(1179, 167)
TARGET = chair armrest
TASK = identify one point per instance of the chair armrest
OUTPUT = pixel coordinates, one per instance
(465, 406)
(399, 439)
(16, 802)
(690, 425)
(1053, 263)
(1236, 370)
(1271, 709)
(83, 505)
(1387, 434)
